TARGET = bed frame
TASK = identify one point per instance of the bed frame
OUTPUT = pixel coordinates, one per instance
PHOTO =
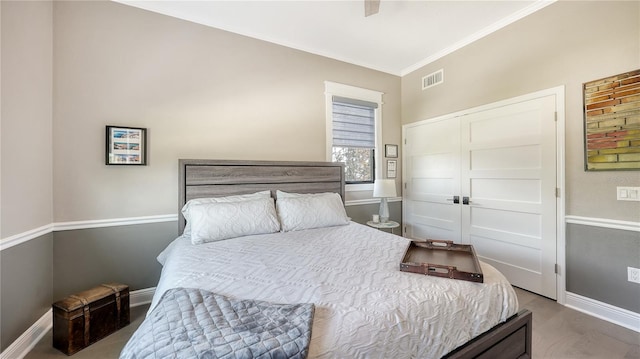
(217, 178)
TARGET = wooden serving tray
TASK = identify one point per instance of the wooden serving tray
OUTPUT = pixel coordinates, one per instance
(442, 259)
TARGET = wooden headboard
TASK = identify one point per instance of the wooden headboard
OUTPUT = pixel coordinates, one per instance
(218, 178)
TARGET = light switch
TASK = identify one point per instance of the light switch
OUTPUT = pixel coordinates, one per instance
(628, 193)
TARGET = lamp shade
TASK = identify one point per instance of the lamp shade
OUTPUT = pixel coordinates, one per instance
(384, 188)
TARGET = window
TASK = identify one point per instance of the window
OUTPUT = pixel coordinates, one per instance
(353, 132)
(354, 138)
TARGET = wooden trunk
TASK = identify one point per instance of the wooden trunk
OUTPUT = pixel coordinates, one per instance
(84, 318)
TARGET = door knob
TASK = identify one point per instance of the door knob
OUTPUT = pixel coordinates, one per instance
(465, 200)
(455, 199)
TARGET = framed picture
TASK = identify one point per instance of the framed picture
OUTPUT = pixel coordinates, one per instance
(126, 146)
(391, 151)
(391, 168)
(611, 118)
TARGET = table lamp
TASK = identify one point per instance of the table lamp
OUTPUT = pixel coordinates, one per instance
(384, 188)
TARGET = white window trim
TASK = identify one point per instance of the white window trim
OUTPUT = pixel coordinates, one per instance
(336, 89)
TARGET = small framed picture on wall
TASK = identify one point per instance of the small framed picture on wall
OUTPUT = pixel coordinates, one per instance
(391, 168)
(126, 146)
(391, 151)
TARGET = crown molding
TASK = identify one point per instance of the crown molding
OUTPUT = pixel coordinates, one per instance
(478, 35)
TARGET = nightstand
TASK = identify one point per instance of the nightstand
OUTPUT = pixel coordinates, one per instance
(386, 225)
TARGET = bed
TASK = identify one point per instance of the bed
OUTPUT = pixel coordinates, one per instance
(363, 306)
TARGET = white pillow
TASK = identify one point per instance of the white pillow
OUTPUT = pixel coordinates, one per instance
(237, 198)
(310, 211)
(223, 220)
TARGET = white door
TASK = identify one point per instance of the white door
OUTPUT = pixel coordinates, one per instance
(509, 175)
(432, 164)
(506, 158)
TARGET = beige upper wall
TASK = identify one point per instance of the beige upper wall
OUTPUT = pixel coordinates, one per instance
(566, 43)
(208, 93)
(26, 116)
(201, 92)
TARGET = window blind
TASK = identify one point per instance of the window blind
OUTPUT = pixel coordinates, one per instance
(353, 123)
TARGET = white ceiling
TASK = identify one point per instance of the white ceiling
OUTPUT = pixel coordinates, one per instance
(402, 37)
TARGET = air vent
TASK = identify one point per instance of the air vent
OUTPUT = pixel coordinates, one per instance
(433, 79)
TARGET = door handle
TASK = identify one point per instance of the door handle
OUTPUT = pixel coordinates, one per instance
(465, 200)
(455, 199)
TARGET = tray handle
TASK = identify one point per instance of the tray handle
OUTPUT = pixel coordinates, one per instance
(441, 270)
(442, 243)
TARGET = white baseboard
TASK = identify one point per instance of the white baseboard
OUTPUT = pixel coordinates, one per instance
(23, 345)
(604, 311)
(141, 296)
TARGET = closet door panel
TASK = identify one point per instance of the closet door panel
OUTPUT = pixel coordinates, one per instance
(508, 173)
(432, 179)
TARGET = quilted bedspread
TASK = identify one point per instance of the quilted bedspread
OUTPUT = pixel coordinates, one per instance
(365, 307)
(194, 323)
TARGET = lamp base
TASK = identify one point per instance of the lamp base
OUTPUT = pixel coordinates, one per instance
(384, 210)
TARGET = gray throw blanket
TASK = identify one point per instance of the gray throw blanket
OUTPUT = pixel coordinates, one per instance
(194, 323)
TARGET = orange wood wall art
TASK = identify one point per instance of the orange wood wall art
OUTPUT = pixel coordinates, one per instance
(612, 122)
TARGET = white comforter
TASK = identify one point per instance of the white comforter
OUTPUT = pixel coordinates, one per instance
(365, 306)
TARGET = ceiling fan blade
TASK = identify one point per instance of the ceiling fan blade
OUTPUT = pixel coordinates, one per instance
(371, 7)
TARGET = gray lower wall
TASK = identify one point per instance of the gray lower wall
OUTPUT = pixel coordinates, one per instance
(26, 286)
(36, 273)
(362, 213)
(85, 258)
(597, 261)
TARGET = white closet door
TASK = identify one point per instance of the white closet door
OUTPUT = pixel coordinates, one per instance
(509, 174)
(503, 160)
(432, 169)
